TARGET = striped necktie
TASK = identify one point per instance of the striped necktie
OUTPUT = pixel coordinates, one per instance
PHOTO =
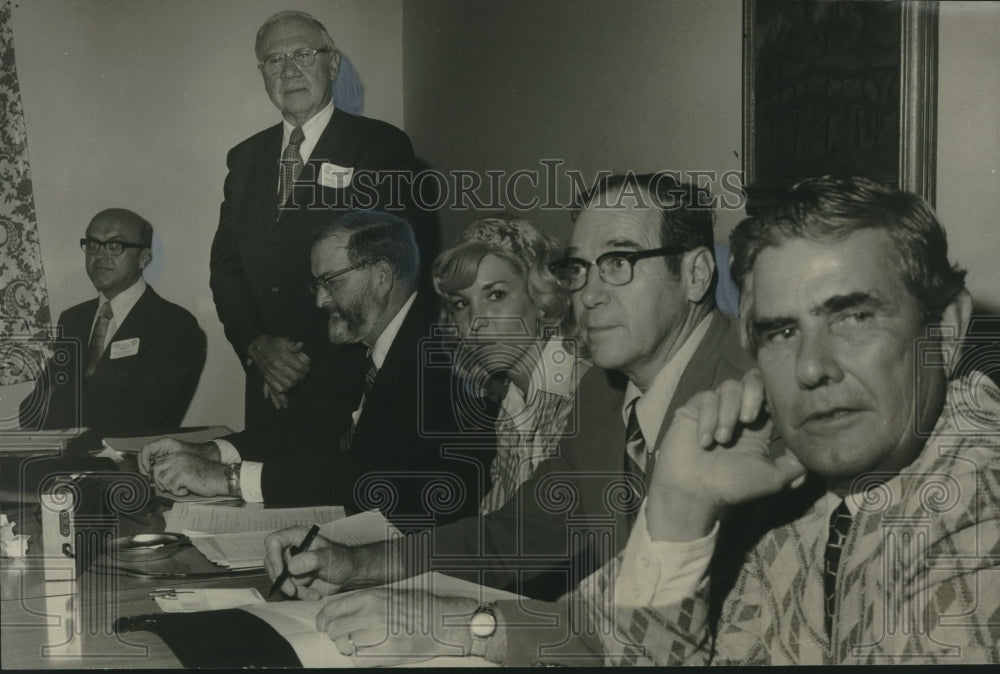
(840, 524)
(348, 440)
(95, 349)
(635, 451)
(291, 164)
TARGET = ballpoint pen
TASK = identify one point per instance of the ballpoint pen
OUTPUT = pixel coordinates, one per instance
(292, 551)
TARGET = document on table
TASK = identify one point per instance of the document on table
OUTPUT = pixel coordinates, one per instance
(296, 621)
(245, 550)
(186, 600)
(133, 445)
(220, 519)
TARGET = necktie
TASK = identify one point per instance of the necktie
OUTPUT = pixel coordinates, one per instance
(369, 385)
(95, 349)
(291, 164)
(635, 452)
(840, 524)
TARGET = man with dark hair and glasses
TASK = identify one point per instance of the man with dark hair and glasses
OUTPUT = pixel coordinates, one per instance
(285, 183)
(140, 355)
(641, 269)
(381, 452)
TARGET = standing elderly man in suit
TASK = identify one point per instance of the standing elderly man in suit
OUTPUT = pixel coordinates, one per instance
(142, 354)
(283, 185)
(388, 445)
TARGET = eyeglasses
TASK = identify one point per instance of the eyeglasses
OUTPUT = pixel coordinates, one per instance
(113, 248)
(302, 58)
(326, 280)
(616, 267)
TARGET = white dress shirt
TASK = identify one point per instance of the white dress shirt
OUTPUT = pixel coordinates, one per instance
(312, 130)
(121, 306)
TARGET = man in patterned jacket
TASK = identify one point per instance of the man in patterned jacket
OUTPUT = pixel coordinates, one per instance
(889, 550)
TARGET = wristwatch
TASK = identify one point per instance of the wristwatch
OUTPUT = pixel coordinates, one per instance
(232, 473)
(482, 626)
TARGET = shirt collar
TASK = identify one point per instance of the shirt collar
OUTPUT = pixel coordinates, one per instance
(123, 302)
(651, 407)
(312, 130)
(388, 336)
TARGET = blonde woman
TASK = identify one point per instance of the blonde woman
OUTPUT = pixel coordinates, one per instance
(497, 289)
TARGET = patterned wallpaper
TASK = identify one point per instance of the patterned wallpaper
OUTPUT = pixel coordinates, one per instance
(24, 304)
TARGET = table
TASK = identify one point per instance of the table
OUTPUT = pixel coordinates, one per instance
(36, 628)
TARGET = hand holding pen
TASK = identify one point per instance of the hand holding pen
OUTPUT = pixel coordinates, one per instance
(310, 574)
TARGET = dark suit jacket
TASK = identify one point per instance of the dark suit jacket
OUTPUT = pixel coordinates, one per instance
(145, 392)
(260, 254)
(407, 458)
(569, 518)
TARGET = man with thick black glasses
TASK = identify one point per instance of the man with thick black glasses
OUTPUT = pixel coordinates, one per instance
(285, 183)
(140, 356)
(641, 269)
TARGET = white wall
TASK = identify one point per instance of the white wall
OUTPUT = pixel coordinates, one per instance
(968, 182)
(134, 103)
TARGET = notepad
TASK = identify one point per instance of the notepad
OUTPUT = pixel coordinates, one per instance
(245, 550)
(188, 518)
(295, 621)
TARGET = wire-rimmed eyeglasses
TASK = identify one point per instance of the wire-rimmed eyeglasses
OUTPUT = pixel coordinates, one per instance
(114, 248)
(273, 64)
(325, 281)
(616, 267)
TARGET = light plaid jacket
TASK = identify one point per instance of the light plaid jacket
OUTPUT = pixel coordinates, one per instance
(919, 578)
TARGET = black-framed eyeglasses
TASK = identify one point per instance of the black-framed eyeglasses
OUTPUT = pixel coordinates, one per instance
(114, 248)
(616, 267)
(326, 280)
(302, 58)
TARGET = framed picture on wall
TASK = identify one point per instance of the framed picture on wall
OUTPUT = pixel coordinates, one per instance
(844, 87)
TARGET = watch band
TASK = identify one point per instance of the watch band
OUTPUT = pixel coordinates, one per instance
(233, 479)
(482, 627)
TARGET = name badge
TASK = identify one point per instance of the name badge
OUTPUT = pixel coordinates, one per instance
(335, 177)
(124, 348)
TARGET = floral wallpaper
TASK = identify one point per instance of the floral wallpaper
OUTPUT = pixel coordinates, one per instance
(24, 304)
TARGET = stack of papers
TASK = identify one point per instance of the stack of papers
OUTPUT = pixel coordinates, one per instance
(188, 601)
(245, 550)
(195, 518)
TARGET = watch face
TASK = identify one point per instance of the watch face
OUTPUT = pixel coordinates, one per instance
(483, 624)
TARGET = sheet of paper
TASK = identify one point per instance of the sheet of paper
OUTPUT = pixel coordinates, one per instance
(222, 518)
(296, 621)
(187, 601)
(134, 444)
(245, 549)
(193, 498)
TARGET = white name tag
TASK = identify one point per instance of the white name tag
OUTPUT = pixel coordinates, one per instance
(333, 176)
(124, 348)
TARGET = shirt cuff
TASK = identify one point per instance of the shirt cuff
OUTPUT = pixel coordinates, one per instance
(227, 452)
(661, 573)
(250, 481)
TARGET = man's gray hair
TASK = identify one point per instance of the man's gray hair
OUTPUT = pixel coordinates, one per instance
(374, 236)
(292, 14)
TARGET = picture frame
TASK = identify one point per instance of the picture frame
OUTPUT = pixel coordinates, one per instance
(843, 87)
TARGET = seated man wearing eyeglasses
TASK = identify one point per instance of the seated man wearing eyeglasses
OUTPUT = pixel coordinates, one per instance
(140, 356)
(641, 273)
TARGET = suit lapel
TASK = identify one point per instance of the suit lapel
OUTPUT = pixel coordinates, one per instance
(263, 180)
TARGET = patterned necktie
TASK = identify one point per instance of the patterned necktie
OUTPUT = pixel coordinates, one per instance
(840, 523)
(635, 450)
(370, 375)
(95, 349)
(291, 164)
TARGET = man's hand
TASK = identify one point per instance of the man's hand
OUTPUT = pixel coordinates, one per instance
(382, 626)
(716, 453)
(281, 362)
(325, 568)
(184, 473)
(157, 449)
